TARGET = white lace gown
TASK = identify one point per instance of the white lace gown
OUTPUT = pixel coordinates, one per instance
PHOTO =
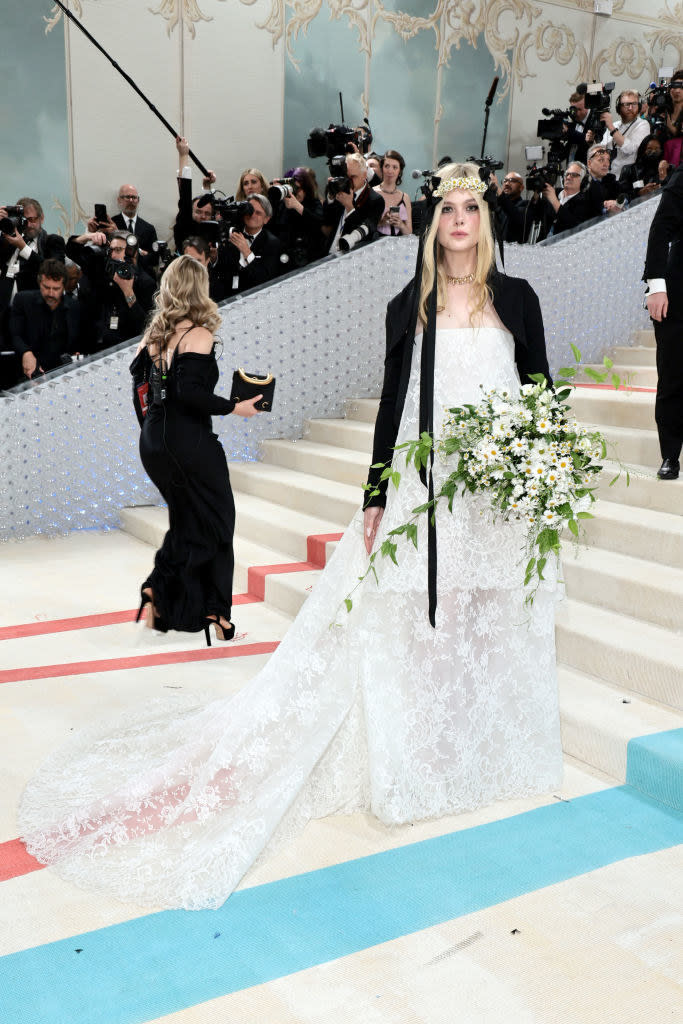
(172, 804)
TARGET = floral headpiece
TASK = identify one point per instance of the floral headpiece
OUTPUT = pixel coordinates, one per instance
(470, 184)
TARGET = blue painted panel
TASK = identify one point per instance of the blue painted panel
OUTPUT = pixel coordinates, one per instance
(34, 156)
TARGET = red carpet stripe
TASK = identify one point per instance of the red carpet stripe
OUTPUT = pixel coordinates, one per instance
(15, 861)
(78, 668)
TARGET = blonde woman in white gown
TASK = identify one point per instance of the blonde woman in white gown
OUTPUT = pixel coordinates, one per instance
(383, 712)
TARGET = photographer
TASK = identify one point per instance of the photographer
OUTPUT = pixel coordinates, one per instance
(577, 136)
(602, 184)
(191, 211)
(252, 255)
(123, 291)
(673, 151)
(352, 209)
(44, 326)
(207, 254)
(298, 217)
(24, 244)
(648, 172)
(514, 225)
(623, 136)
(574, 205)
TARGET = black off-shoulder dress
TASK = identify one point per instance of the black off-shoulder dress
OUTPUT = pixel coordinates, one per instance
(193, 568)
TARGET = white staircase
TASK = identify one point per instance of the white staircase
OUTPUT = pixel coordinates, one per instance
(619, 632)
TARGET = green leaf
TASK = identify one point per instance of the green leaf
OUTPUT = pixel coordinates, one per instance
(614, 479)
(607, 362)
(595, 375)
(616, 381)
(585, 515)
(539, 378)
(567, 371)
(396, 478)
(349, 603)
(564, 394)
(412, 533)
(575, 352)
(574, 527)
(628, 479)
(540, 567)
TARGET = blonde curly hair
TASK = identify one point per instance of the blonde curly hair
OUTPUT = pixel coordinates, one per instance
(183, 295)
(486, 254)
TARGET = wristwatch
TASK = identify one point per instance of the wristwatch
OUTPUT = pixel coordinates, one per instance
(130, 299)
(614, 131)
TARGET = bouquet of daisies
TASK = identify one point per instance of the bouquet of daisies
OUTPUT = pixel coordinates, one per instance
(527, 452)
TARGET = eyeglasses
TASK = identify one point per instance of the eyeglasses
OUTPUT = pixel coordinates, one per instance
(511, 181)
(572, 174)
(601, 152)
(630, 103)
(129, 197)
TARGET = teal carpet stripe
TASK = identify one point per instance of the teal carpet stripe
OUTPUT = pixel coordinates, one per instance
(654, 765)
(142, 969)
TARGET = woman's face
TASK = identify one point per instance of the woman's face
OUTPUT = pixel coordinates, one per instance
(459, 219)
(251, 185)
(676, 93)
(653, 148)
(373, 164)
(392, 169)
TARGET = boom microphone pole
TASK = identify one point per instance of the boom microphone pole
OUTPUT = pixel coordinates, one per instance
(130, 81)
(487, 105)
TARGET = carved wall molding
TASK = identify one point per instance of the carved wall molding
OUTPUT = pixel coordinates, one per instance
(624, 57)
(552, 42)
(181, 12)
(56, 14)
(671, 36)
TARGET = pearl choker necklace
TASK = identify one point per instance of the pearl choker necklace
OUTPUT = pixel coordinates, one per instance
(467, 279)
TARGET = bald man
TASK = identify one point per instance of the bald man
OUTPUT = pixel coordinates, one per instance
(512, 208)
(128, 201)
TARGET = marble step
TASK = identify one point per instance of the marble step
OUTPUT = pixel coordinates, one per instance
(639, 532)
(344, 433)
(598, 721)
(642, 488)
(644, 338)
(322, 460)
(621, 583)
(277, 527)
(607, 407)
(621, 650)
(633, 355)
(638, 376)
(302, 492)
(363, 409)
(634, 446)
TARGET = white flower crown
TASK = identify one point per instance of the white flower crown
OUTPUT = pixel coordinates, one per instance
(470, 184)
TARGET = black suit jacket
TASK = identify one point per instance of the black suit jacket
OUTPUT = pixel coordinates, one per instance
(34, 327)
(49, 247)
(368, 208)
(517, 305)
(145, 232)
(266, 265)
(665, 243)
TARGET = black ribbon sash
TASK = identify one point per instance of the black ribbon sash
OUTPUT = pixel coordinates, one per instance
(426, 422)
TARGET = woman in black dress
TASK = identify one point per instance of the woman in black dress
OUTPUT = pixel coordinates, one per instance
(174, 375)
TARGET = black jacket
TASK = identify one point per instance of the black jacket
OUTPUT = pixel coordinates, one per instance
(368, 208)
(145, 232)
(47, 333)
(49, 247)
(517, 305)
(665, 243)
(264, 267)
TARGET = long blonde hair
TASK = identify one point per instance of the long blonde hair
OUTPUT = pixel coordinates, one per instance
(486, 253)
(183, 295)
(240, 195)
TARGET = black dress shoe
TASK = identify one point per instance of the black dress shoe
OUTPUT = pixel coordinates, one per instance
(669, 470)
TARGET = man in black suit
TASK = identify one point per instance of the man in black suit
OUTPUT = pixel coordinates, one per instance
(602, 184)
(356, 206)
(254, 255)
(21, 254)
(122, 300)
(664, 276)
(44, 323)
(128, 219)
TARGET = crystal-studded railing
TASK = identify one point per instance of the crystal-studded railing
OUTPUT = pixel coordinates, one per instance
(69, 444)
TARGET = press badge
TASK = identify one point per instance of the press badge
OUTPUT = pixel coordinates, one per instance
(12, 271)
(114, 322)
(235, 282)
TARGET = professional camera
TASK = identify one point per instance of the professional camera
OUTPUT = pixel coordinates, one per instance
(553, 127)
(659, 104)
(348, 242)
(14, 221)
(280, 189)
(597, 99)
(339, 180)
(337, 140)
(232, 213)
(164, 253)
(123, 268)
(538, 177)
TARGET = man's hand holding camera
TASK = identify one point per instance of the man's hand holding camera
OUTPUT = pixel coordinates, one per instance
(15, 239)
(29, 364)
(239, 241)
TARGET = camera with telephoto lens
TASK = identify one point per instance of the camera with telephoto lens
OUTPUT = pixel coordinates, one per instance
(339, 180)
(232, 218)
(280, 189)
(538, 177)
(164, 253)
(487, 165)
(14, 221)
(597, 100)
(123, 268)
(359, 234)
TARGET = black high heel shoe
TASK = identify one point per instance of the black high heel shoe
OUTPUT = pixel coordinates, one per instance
(156, 622)
(222, 632)
(144, 599)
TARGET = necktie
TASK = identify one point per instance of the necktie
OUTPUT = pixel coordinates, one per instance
(249, 238)
(130, 226)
